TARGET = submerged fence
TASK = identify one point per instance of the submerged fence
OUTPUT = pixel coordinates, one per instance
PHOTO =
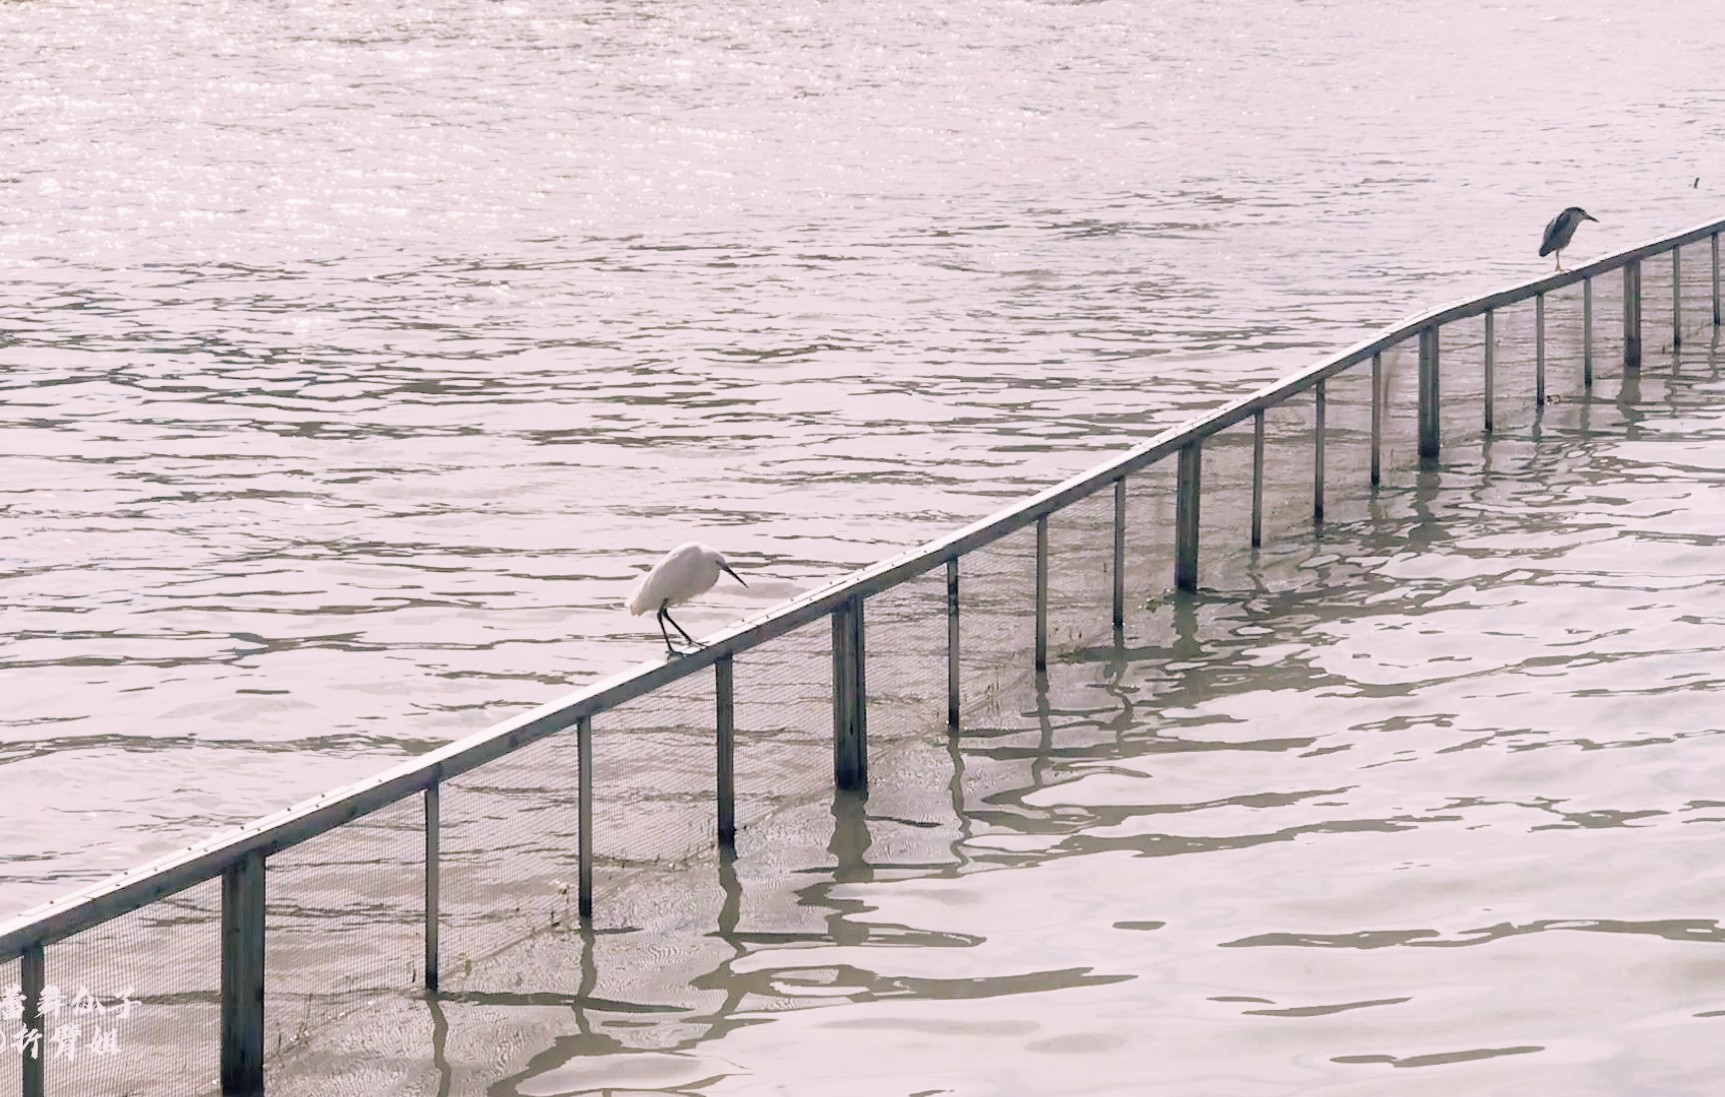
(413, 878)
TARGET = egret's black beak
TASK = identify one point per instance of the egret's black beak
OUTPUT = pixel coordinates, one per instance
(727, 570)
(1590, 217)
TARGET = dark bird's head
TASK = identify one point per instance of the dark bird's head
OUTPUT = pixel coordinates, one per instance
(1577, 214)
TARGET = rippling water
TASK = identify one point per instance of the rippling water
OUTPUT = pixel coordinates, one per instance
(356, 355)
(1426, 805)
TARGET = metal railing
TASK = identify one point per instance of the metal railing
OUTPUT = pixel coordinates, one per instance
(239, 858)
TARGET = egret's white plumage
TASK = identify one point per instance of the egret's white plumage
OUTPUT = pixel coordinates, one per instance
(687, 571)
(1561, 229)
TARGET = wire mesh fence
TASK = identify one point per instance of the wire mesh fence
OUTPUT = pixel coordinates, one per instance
(1149, 533)
(1225, 511)
(784, 717)
(1603, 350)
(1693, 297)
(346, 918)
(1517, 378)
(497, 851)
(508, 853)
(1559, 342)
(1698, 296)
(12, 1036)
(1289, 469)
(997, 584)
(1347, 445)
(906, 629)
(129, 1006)
(653, 767)
(1398, 411)
(1658, 306)
(1080, 577)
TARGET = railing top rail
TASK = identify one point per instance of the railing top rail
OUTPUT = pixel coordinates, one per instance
(176, 872)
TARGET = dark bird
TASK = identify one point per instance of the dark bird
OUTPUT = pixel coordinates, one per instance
(1561, 229)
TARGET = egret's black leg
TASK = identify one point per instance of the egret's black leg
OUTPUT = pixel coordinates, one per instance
(670, 649)
(665, 612)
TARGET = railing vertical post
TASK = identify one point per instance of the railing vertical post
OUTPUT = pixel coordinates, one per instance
(1632, 315)
(242, 1023)
(1377, 420)
(859, 693)
(584, 812)
(1186, 492)
(433, 876)
(850, 705)
(1676, 297)
(1430, 420)
(33, 976)
(1120, 552)
(952, 673)
(1539, 351)
(725, 725)
(1318, 456)
(841, 684)
(1715, 249)
(1042, 593)
(1257, 477)
(1587, 332)
(1490, 369)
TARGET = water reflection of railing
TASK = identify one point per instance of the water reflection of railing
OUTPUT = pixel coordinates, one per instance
(476, 792)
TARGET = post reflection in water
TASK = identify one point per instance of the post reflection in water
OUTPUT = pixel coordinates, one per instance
(849, 847)
(1326, 789)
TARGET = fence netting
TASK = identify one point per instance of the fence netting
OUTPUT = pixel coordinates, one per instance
(11, 1024)
(905, 648)
(1657, 300)
(997, 623)
(1149, 535)
(1398, 411)
(344, 944)
(132, 1006)
(784, 722)
(653, 765)
(1290, 461)
(1080, 576)
(1697, 291)
(1348, 445)
(509, 846)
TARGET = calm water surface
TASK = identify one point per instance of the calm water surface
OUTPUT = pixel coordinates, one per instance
(356, 356)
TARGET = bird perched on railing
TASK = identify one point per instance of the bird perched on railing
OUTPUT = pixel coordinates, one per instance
(686, 571)
(1561, 229)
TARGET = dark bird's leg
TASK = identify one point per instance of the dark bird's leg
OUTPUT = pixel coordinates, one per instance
(669, 648)
(665, 615)
(1559, 258)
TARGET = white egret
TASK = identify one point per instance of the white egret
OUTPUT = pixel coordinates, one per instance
(686, 571)
(1562, 227)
